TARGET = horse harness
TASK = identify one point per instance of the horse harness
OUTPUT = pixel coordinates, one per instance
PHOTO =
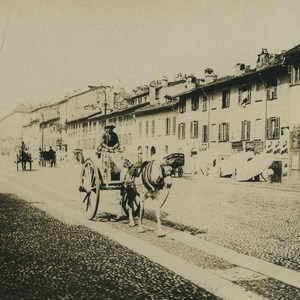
(145, 171)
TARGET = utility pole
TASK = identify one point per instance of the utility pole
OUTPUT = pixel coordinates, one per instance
(42, 127)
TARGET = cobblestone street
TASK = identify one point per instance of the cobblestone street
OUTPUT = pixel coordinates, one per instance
(42, 258)
(252, 218)
(256, 219)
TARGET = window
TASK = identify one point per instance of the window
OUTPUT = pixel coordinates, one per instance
(195, 102)
(168, 126)
(272, 89)
(214, 132)
(147, 151)
(194, 130)
(153, 128)
(273, 131)
(147, 128)
(259, 129)
(258, 86)
(174, 125)
(244, 94)
(182, 106)
(204, 102)
(294, 73)
(181, 131)
(245, 130)
(290, 74)
(225, 98)
(223, 132)
(204, 133)
(140, 129)
(213, 100)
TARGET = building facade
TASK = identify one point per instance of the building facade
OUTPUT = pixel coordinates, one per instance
(208, 120)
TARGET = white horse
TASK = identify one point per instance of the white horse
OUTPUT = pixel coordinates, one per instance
(142, 181)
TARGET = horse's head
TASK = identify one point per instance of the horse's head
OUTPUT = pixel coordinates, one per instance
(167, 167)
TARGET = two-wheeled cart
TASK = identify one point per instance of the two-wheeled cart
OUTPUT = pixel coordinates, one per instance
(98, 174)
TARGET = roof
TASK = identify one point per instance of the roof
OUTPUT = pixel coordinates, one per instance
(82, 118)
(24, 108)
(172, 83)
(124, 110)
(137, 96)
(157, 107)
(293, 52)
(278, 62)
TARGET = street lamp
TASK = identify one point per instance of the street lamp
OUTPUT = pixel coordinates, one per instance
(99, 90)
(42, 127)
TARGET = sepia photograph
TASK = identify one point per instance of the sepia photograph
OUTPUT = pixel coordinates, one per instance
(149, 149)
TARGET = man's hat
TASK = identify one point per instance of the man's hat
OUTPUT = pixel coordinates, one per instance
(109, 126)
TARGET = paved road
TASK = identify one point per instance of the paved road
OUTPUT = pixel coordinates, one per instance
(43, 258)
(251, 220)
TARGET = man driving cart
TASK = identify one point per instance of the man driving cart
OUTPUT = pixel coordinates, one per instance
(110, 144)
(109, 140)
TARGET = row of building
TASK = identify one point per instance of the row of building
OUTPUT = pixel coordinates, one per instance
(255, 109)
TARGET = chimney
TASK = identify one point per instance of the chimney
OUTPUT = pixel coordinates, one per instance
(164, 81)
(239, 69)
(209, 75)
(179, 77)
(262, 59)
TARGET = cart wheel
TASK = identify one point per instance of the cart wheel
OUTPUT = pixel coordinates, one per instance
(89, 189)
(131, 198)
(180, 172)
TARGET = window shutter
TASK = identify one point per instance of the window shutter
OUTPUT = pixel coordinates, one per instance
(183, 130)
(228, 99)
(243, 131)
(290, 74)
(240, 96)
(227, 131)
(268, 128)
(179, 125)
(220, 129)
(203, 134)
(249, 94)
(268, 93)
(248, 129)
(191, 130)
(206, 136)
(196, 129)
(277, 131)
(275, 91)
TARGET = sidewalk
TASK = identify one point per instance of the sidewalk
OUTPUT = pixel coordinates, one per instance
(284, 186)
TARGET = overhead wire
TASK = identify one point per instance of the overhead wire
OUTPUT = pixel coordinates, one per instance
(4, 29)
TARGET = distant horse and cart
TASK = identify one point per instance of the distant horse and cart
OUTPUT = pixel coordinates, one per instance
(136, 182)
(24, 158)
(48, 157)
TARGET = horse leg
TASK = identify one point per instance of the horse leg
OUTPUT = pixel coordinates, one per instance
(159, 232)
(130, 210)
(130, 215)
(141, 228)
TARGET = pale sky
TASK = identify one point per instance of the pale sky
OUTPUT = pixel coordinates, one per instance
(51, 47)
